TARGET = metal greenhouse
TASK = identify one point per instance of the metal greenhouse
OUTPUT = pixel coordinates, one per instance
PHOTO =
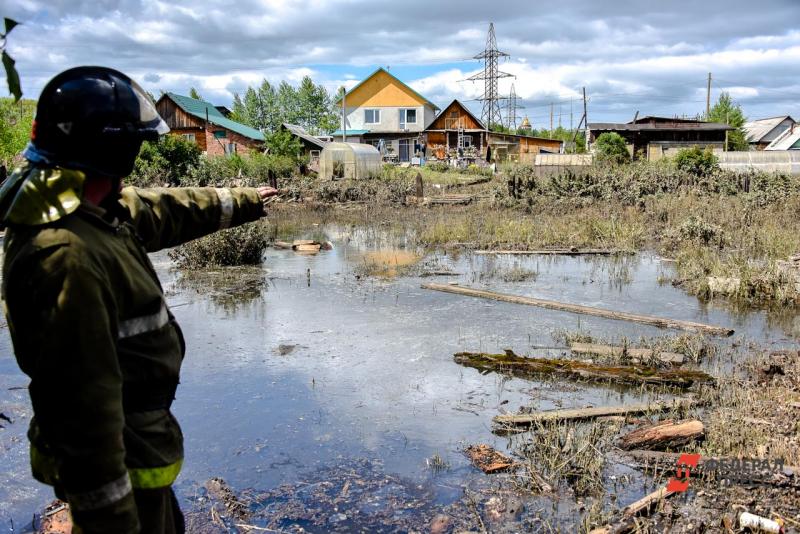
(349, 160)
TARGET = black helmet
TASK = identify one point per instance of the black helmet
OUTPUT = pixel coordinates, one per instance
(93, 119)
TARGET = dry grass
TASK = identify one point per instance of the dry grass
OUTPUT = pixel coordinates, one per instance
(565, 452)
(751, 412)
(386, 263)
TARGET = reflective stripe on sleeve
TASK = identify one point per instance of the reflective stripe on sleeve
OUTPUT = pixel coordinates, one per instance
(145, 323)
(155, 477)
(103, 496)
(226, 207)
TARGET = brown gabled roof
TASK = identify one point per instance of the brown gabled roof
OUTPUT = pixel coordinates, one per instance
(462, 106)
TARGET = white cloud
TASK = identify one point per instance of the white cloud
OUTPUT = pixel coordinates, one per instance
(631, 57)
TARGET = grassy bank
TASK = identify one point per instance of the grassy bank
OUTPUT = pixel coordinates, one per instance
(727, 233)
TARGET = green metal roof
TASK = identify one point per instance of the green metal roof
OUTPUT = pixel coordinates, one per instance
(379, 69)
(205, 111)
(350, 132)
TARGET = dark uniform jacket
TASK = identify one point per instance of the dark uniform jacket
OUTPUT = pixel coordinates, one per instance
(92, 330)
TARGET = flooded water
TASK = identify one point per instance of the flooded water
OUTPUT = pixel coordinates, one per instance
(307, 365)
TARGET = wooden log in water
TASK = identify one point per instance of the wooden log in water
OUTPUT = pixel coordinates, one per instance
(663, 435)
(626, 374)
(524, 419)
(585, 310)
(618, 352)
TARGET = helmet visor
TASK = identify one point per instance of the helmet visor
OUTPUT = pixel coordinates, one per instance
(150, 120)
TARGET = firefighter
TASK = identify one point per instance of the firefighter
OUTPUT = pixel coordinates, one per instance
(86, 312)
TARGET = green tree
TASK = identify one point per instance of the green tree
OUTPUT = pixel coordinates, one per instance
(288, 103)
(283, 143)
(611, 148)
(727, 111)
(566, 135)
(194, 94)
(267, 107)
(16, 118)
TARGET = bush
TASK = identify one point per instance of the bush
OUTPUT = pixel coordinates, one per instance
(611, 148)
(696, 161)
(697, 229)
(437, 166)
(168, 160)
(242, 245)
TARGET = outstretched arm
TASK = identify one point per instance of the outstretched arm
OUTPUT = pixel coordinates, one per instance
(167, 217)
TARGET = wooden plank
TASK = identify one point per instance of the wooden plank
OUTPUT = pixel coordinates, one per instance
(586, 310)
(646, 502)
(579, 370)
(626, 523)
(618, 352)
(590, 413)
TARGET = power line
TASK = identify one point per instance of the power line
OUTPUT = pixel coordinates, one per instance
(491, 74)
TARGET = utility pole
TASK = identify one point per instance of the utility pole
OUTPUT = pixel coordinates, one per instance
(585, 119)
(491, 74)
(726, 131)
(344, 117)
(550, 133)
(571, 117)
(708, 97)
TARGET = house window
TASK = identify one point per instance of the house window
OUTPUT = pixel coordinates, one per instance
(372, 116)
(188, 137)
(407, 116)
(220, 134)
(467, 140)
(230, 149)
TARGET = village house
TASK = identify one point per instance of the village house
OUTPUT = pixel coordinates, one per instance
(386, 113)
(312, 145)
(788, 140)
(204, 124)
(761, 132)
(656, 137)
(457, 132)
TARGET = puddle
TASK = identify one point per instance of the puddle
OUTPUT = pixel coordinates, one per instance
(298, 370)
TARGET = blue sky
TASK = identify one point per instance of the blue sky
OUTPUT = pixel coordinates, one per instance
(631, 55)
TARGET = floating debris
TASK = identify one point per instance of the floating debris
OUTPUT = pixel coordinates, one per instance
(487, 459)
(581, 370)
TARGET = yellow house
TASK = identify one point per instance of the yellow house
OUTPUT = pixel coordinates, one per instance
(387, 113)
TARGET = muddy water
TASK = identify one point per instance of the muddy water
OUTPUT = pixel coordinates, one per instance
(301, 366)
